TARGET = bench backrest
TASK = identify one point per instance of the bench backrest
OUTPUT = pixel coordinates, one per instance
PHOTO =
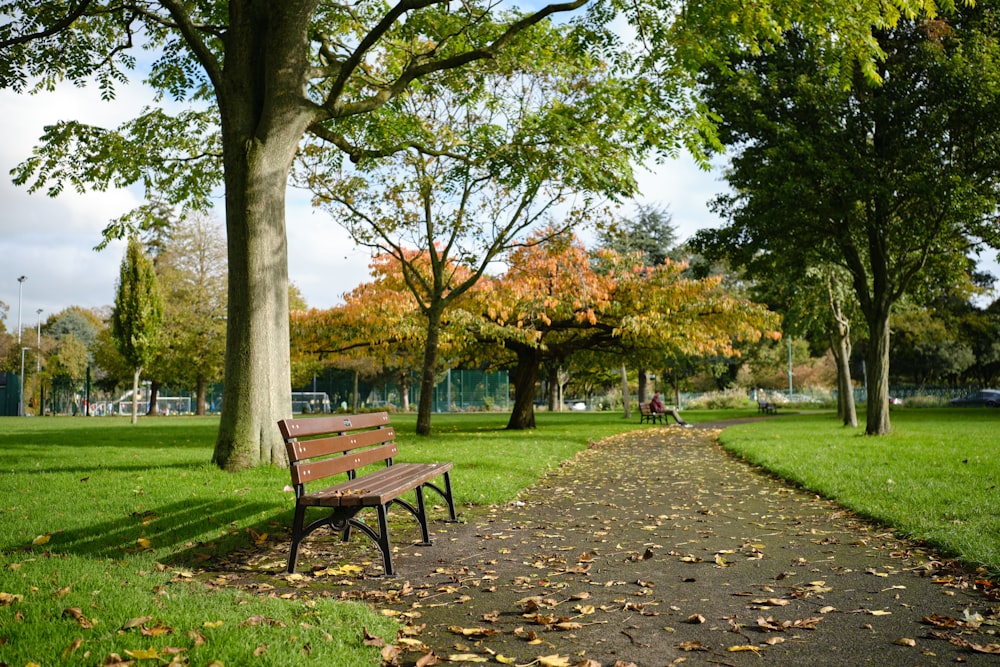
(324, 446)
(644, 408)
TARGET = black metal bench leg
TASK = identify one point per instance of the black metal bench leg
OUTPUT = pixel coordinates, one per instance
(449, 497)
(422, 518)
(383, 541)
(297, 535)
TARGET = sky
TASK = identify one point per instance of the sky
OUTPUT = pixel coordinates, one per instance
(51, 241)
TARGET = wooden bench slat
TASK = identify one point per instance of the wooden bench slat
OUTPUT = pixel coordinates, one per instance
(299, 449)
(309, 470)
(305, 428)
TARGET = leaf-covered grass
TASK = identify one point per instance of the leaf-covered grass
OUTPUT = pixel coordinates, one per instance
(101, 523)
(935, 478)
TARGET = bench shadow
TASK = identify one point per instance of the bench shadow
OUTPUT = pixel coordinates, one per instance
(174, 529)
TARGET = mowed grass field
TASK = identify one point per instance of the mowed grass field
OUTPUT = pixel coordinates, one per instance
(103, 524)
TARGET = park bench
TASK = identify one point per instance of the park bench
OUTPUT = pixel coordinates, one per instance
(647, 415)
(356, 446)
(766, 407)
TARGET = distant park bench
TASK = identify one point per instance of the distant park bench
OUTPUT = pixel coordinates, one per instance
(646, 414)
(766, 407)
(324, 447)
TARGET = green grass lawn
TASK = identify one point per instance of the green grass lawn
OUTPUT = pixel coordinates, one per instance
(935, 478)
(103, 523)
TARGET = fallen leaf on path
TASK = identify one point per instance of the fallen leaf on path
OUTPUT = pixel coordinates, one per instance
(466, 657)
(744, 648)
(473, 632)
(691, 646)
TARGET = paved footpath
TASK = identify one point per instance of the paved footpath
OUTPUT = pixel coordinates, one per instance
(657, 548)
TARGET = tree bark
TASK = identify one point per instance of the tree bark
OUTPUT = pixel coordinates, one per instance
(877, 358)
(525, 375)
(643, 389)
(626, 399)
(135, 395)
(553, 389)
(153, 409)
(841, 348)
(404, 391)
(201, 390)
(428, 373)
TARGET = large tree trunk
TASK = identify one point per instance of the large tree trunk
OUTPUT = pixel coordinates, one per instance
(877, 359)
(525, 376)
(428, 374)
(257, 389)
(263, 121)
(153, 409)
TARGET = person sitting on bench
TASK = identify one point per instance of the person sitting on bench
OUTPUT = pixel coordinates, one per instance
(657, 407)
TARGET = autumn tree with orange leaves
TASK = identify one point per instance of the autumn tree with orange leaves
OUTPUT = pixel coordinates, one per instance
(378, 329)
(558, 299)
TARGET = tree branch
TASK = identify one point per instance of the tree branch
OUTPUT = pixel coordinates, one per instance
(72, 15)
(191, 35)
(422, 69)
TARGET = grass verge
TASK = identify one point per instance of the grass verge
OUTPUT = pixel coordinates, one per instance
(933, 479)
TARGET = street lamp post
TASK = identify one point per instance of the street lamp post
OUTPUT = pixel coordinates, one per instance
(20, 407)
(38, 364)
(20, 287)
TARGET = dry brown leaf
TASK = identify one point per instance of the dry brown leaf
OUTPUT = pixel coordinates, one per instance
(744, 648)
(77, 614)
(946, 622)
(905, 641)
(466, 657)
(472, 632)
(691, 646)
(568, 625)
(553, 661)
(695, 619)
(157, 630)
(136, 622)
(9, 598)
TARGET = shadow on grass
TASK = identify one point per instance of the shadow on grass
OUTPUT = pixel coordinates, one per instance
(19, 464)
(176, 531)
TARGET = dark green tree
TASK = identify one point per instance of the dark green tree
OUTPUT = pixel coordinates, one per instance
(138, 314)
(650, 231)
(896, 182)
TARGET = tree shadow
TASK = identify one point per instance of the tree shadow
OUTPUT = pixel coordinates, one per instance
(171, 529)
